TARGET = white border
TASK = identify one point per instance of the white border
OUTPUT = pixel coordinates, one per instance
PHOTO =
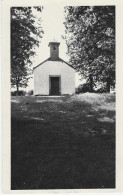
(6, 4)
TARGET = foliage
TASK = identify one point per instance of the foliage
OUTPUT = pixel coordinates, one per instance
(90, 38)
(30, 92)
(101, 90)
(83, 88)
(19, 93)
(26, 32)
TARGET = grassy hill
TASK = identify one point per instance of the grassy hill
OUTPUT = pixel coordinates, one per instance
(63, 142)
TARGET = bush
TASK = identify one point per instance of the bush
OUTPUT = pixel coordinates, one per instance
(83, 88)
(30, 92)
(20, 93)
(13, 93)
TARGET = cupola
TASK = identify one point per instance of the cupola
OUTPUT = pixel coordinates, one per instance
(54, 50)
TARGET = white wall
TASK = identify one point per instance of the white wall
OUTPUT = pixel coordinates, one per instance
(41, 77)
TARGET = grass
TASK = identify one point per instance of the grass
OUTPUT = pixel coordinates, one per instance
(63, 143)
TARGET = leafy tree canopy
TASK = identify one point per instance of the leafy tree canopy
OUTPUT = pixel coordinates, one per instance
(90, 37)
(26, 32)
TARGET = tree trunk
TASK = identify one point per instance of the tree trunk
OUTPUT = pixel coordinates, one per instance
(108, 82)
(91, 82)
(17, 89)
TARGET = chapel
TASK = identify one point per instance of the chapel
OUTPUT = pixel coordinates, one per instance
(54, 76)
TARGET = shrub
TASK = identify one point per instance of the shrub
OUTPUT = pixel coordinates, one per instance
(20, 93)
(30, 92)
(13, 93)
(83, 88)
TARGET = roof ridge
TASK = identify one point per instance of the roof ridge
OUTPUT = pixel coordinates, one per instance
(67, 63)
(41, 63)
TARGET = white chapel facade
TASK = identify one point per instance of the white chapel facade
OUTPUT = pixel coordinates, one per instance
(54, 76)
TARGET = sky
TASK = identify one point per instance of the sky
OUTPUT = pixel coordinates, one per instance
(53, 27)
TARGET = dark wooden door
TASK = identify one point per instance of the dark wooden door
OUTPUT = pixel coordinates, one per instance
(55, 86)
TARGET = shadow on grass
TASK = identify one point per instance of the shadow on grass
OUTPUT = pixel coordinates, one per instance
(71, 149)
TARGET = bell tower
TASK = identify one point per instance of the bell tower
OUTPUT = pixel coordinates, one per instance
(54, 50)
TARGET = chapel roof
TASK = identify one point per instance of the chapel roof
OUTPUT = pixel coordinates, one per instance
(49, 59)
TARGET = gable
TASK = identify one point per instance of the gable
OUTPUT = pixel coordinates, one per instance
(49, 59)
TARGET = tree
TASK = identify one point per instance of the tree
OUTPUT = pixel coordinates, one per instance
(90, 37)
(26, 32)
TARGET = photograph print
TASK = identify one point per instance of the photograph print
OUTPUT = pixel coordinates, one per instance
(63, 97)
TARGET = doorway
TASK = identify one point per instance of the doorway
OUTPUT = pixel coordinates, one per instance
(54, 85)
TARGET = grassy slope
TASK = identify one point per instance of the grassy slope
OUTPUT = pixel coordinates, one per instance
(63, 144)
